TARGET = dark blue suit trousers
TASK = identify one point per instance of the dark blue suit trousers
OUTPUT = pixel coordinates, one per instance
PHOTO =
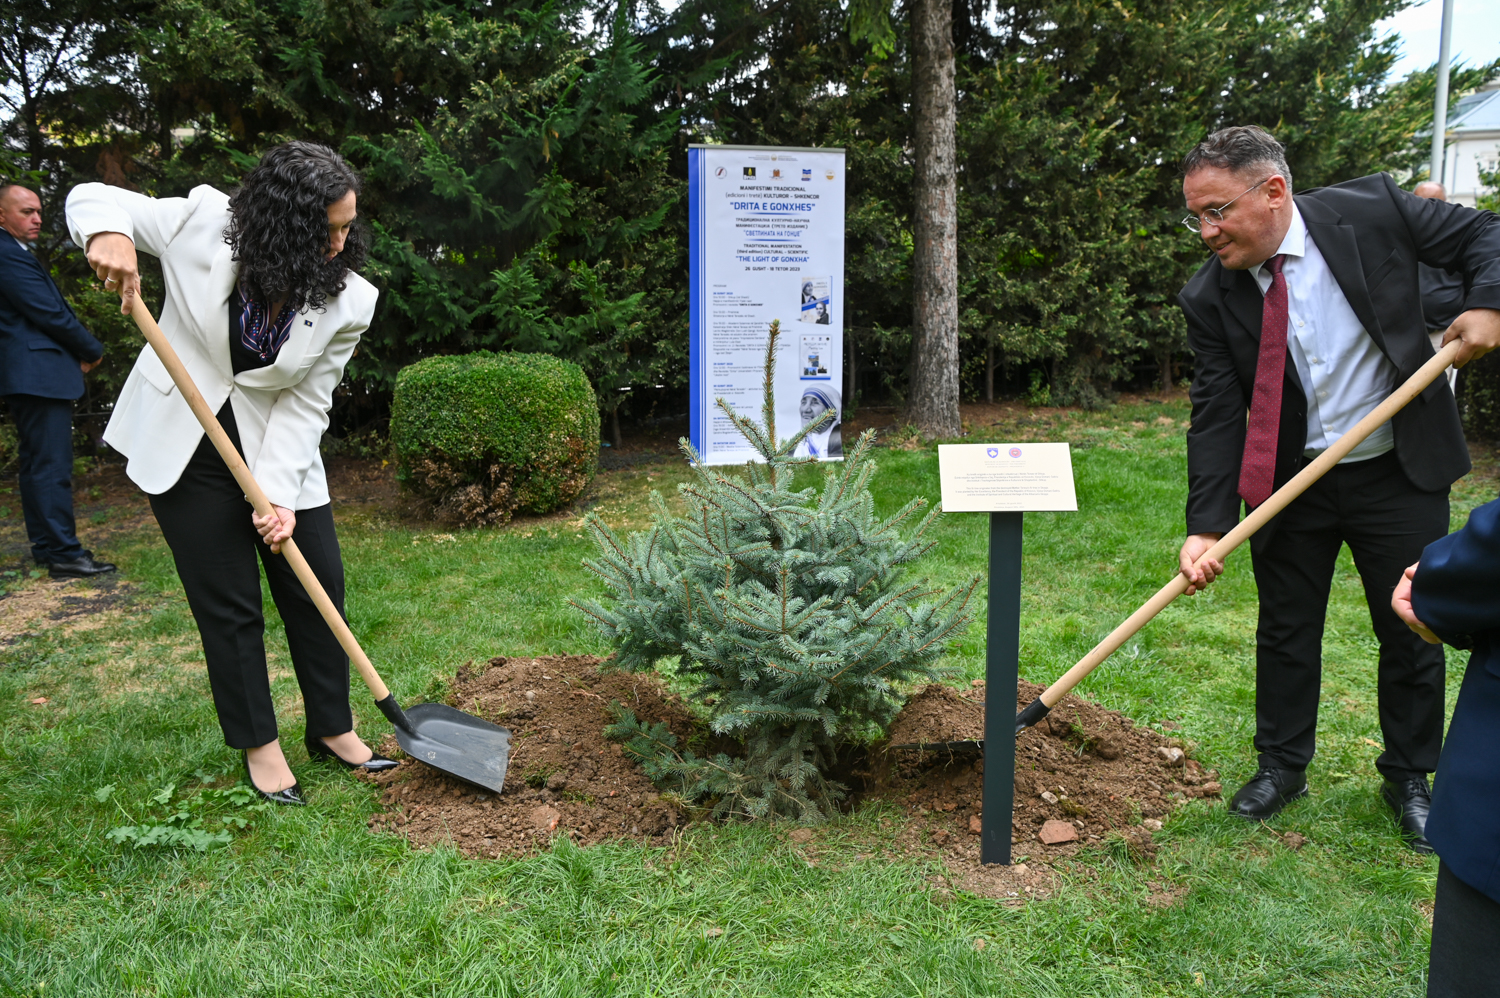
(45, 427)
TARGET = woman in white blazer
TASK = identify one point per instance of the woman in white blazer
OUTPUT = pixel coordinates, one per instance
(264, 307)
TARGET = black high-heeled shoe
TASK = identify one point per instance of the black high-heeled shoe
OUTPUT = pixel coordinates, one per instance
(291, 795)
(377, 763)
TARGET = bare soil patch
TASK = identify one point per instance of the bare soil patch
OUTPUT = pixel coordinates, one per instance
(70, 604)
(565, 778)
(1083, 767)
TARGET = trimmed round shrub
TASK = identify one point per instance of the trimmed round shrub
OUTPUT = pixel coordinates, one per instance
(482, 435)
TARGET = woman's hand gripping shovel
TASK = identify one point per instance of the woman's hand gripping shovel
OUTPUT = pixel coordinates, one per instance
(463, 745)
(1279, 500)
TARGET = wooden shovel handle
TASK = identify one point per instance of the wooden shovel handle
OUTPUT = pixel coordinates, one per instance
(1278, 501)
(210, 422)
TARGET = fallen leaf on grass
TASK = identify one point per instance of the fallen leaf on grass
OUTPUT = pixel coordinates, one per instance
(979, 945)
(40, 700)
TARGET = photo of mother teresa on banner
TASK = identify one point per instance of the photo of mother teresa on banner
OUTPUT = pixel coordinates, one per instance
(826, 442)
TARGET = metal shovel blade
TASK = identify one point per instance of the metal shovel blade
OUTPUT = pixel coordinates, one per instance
(459, 744)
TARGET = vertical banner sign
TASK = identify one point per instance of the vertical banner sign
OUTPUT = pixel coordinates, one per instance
(766, 241)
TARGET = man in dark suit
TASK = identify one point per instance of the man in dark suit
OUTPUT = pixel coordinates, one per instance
(1307, 316)
(44, 354)
(1453, 595)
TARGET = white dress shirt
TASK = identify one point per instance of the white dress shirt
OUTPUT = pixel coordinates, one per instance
(1342, 371)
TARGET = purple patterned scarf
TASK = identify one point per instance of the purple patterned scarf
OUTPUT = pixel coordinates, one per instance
(257, 333)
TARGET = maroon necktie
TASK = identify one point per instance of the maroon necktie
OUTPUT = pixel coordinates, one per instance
(1258, 469)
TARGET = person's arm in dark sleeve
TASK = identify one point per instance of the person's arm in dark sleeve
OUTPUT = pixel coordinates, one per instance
(1456, 239)
(38, 299)
(1216, 438)
(1456, 591)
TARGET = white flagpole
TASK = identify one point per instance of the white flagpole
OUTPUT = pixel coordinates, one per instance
(1440, 103)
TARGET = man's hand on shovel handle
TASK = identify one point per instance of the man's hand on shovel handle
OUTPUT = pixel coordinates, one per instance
(1479, 328)
(276, 528)
(1199, 576)
(112, 258)
(1401, 603)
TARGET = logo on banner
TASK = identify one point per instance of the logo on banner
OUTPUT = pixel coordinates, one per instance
(829, 174)
(721, 173)
(1015, 452)
(776, 174)
(749, 171)
(992, 452)
(807, 174)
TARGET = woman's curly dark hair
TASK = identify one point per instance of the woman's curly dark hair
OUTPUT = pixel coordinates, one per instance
(279, 226)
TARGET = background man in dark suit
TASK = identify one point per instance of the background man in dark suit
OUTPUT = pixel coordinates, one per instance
(1453, 595)
(1306, 317)
(1442, 292)
(44, 354)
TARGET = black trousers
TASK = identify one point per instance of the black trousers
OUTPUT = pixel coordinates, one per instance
(1465, 941)
(206, 521)
(45, 429)
(1386, 521)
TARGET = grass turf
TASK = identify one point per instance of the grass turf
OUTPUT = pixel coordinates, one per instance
(307, 902)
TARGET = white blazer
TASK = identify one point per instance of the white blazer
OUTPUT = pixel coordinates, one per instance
(281, 410)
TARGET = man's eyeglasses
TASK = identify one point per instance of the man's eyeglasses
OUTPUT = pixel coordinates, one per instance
(1215, 216)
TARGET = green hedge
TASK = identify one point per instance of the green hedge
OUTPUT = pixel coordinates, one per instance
(1479, 398)
(483, 435)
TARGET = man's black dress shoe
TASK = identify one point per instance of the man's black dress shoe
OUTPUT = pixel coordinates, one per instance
(82, 567)
(1267, 792)
(1411, 800)
(377, 763)
(290, 795)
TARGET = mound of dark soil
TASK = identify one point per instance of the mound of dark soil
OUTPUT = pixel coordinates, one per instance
(565, 778)
(1084, 766)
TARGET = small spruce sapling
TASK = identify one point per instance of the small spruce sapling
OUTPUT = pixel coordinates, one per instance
(792, 610)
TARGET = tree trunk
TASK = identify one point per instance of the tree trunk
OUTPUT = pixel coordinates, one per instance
(851, 367)
(614, 428)
(934, 344)
(989, 373)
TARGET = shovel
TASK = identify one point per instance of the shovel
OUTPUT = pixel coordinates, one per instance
(1279, 500)
(460, 744)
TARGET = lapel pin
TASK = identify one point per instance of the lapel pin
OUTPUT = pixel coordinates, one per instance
(307, 322)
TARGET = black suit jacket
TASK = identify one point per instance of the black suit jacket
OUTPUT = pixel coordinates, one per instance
(1373, 235)
(41, 340)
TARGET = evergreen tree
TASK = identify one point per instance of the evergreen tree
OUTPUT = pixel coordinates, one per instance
(791, 607)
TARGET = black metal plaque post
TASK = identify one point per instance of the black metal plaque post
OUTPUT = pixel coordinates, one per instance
(1001, 675)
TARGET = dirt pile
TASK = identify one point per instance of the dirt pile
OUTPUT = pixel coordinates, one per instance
(1083, 774)
(565, 778)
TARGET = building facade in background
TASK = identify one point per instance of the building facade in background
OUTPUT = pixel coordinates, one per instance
(1473, 144)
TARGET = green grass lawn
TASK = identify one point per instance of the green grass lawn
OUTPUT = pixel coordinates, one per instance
(308, 902)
